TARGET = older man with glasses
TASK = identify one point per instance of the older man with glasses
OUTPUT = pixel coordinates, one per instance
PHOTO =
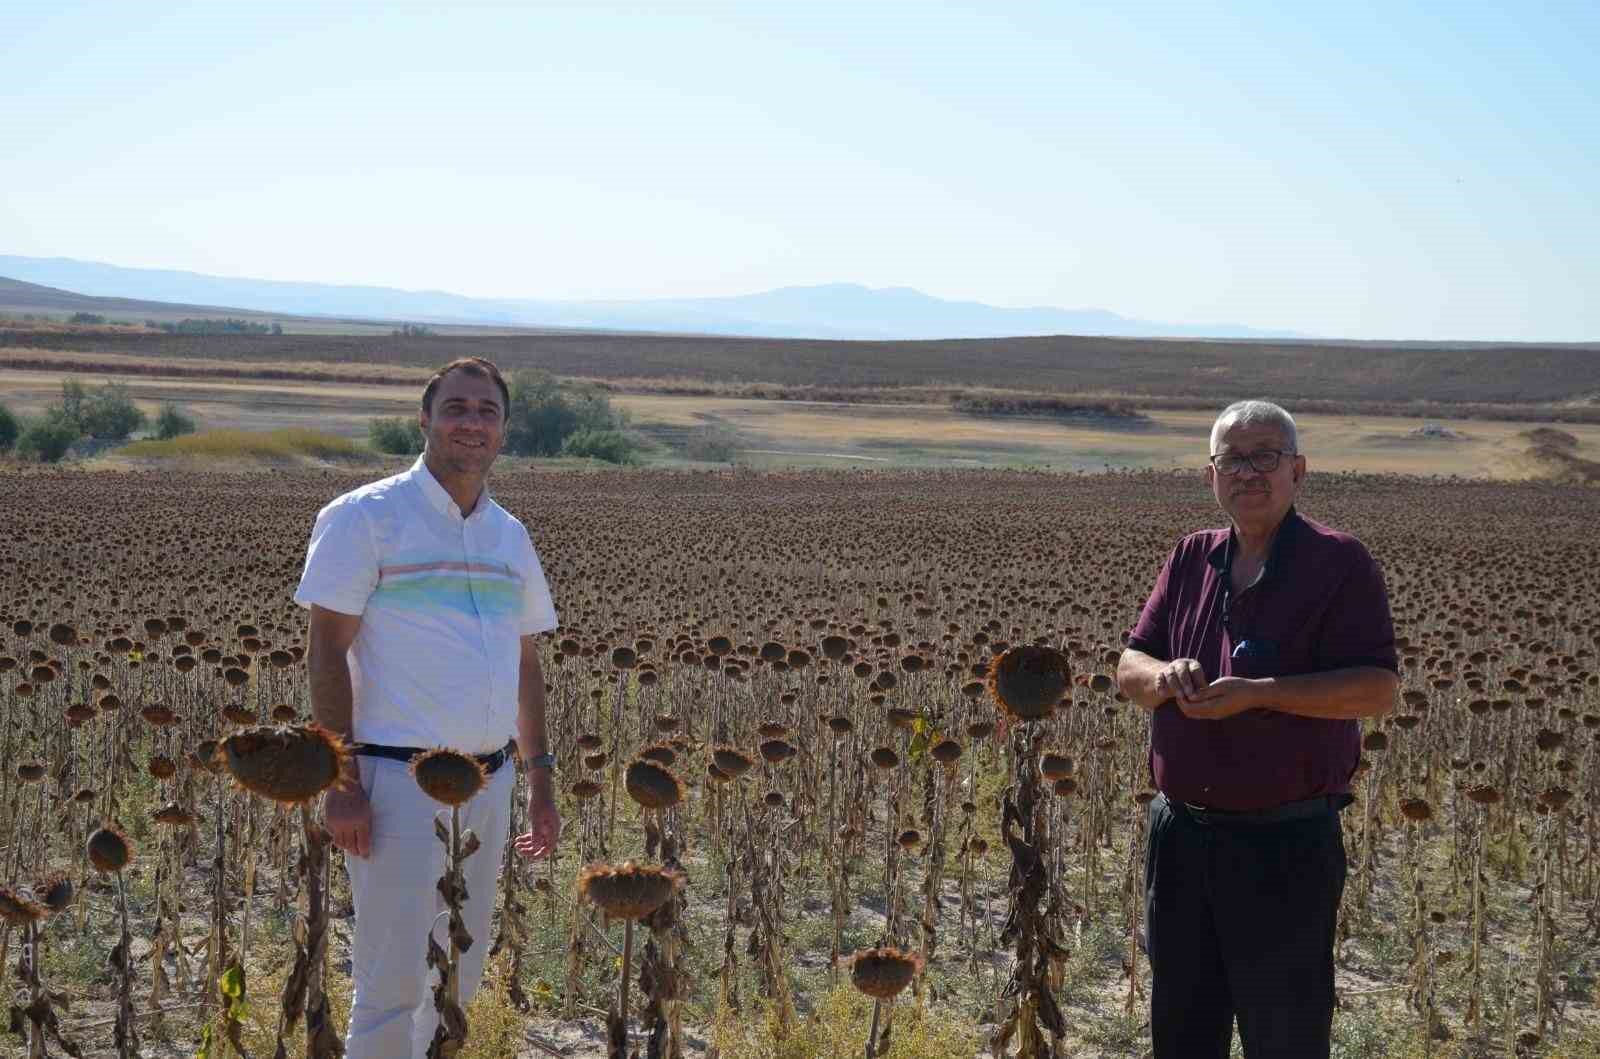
(1260, 649)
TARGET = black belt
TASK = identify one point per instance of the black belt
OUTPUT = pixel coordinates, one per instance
(491, 762)
(1302, 810)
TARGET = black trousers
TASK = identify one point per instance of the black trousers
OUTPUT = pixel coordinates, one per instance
(1241, 921)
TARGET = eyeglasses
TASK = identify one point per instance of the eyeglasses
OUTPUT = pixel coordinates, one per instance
(1265, 461)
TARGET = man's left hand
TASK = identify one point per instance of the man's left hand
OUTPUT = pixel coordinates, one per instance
(1223, 698)
(544, 823)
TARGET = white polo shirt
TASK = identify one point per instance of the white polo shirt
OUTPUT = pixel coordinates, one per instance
(444, 602)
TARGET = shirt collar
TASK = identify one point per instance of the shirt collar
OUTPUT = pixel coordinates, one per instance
(1221, 554)
(438, 496)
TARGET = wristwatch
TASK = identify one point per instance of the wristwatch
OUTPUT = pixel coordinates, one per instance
(542, 761)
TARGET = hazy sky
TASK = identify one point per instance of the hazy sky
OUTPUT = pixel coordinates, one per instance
(1362, 169)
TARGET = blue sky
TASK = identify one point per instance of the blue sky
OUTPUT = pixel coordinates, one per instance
(1367, 170)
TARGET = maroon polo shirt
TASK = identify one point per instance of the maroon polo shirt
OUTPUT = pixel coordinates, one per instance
(1318, 605)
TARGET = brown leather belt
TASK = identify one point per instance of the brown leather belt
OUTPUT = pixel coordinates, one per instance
(404, 754)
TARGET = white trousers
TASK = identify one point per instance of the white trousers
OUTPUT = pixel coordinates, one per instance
(396, 901)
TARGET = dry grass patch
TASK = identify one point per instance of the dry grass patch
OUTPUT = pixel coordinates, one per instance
(837, 1029)
(286, 444)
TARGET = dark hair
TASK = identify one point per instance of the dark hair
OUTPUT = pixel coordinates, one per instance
(483, 369)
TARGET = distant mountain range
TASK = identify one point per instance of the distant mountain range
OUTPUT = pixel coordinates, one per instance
(833, 310)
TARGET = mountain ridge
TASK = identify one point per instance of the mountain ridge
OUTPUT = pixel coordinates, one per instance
(838, 310)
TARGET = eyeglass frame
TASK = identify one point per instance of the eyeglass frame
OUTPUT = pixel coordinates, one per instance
(1249, 458)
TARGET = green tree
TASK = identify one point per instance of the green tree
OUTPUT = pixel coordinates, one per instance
(396, 435)
(47, 439)
(73, 398)
(86, 318)
(545, 412)
(612, 446)
(9, 428)
(172, 422)
(110, 414)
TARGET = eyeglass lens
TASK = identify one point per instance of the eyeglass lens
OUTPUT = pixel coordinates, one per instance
(1261, 462)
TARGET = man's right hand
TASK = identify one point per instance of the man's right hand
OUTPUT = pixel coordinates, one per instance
(349, 817)
(1184, 680)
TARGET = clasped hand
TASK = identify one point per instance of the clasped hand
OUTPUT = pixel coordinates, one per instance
(1184, 682)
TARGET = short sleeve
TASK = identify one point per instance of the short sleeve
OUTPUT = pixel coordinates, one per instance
(1150, 634)
(1357, 628)
(341, 570)
(538, 610)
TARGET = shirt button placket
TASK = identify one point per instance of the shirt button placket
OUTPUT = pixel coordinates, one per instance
(483, 628)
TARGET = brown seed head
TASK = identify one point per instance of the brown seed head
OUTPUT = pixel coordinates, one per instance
(1416, 809)
(777, 751)
(234, 713)
(1556, 798)
(20, 909)
(632, 891)
(1028, 680)
(652, 785)
(732, 761)
(109, 849)
(883, 973)
(662, 753)
(286, 764)
(447, 776)
(55, 892)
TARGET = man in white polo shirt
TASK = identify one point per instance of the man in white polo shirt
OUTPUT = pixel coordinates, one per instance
(426, 599)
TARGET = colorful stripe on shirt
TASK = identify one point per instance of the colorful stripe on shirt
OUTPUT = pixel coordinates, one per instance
(469, 585)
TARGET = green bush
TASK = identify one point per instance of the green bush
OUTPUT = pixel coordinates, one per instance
(47, 439)
(171, 422)
(612, 446)
(9, 428)
(544, 413)
(711, 444)
(396, 435)
(86, 318)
